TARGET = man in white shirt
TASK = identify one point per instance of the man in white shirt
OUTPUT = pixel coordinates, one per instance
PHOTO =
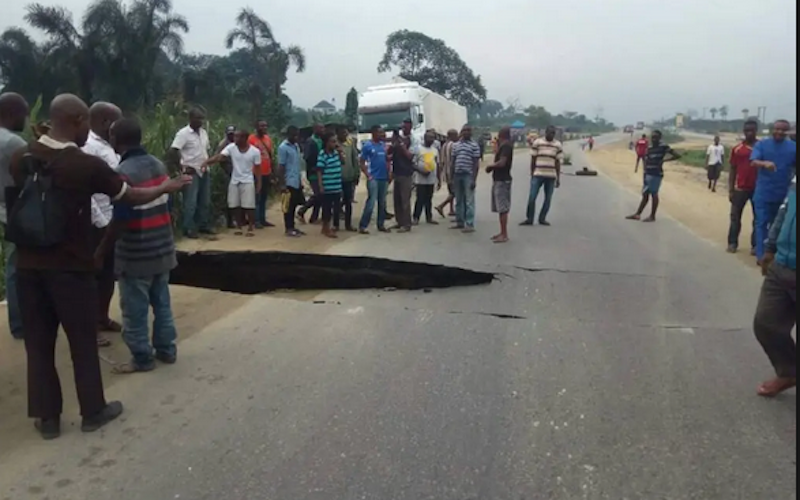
(246, 179)
(715, 157)
(101, 116)
(188, 154)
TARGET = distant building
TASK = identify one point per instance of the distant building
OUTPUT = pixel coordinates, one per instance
(324, 107)
(680, 120)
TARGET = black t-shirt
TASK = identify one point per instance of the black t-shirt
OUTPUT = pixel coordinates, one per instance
(401, 166)
(504, 173)
(310, 155)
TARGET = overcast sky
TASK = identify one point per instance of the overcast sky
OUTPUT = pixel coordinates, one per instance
(636, 60)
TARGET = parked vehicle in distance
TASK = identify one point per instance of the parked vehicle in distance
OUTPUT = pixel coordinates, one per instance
(640, 126)
(628, 129)
(389, 105)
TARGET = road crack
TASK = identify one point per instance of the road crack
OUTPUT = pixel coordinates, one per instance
(586, 273)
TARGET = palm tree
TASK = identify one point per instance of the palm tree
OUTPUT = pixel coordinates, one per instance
(713, 112)
(21, 64)
(724, 111)
(272, 60)
(746, 113)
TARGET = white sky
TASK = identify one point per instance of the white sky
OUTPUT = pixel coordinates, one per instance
(637, 60)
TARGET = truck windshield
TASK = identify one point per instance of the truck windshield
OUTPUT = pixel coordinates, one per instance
(386, 119)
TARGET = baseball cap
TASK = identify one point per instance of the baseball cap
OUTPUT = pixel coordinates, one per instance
(230, 129)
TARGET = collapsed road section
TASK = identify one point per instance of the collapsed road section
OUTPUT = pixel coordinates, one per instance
(252, 273)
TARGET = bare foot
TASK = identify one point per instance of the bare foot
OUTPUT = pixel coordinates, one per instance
(501, 239)
(634, 217)
(776, 386)
(650, 219)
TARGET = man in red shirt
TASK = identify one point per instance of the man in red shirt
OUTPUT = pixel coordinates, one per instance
(742, 185)
(641, 151)
(263, 142)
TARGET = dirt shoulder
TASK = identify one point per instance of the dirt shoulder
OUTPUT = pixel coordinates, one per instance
(684, 195)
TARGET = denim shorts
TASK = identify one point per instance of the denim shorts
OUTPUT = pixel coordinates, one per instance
(652, 184)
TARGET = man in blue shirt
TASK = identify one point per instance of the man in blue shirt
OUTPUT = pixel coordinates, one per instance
(776, 316)
(289, 161)
(375, 167)
(776, 159)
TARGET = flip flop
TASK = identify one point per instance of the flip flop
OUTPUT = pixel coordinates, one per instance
(250, 235)
(634, 217)
(500, 240)
(130, 368)
(103, 342)
(238, 233)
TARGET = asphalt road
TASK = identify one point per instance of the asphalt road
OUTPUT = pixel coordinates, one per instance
(610, 360)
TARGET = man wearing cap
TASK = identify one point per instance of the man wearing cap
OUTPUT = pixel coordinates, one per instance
(227, 167)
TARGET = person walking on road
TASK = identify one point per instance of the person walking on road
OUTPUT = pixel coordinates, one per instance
(426, 178)
(591, 143)
(547, 154)
(501, 182)
(657, 154)
(14, 111)
(641, 151)
(466, 165)
(375, 167)
(145, 256)
(187, 154)
(776, 316)
(742, 186)
(261, 140)
(351, 175)
(329, 177)
(446, 174)
(715, 159)
(56, 284)
(313, 147)
(101, 116)
(776, 159)
(403, 174)
(292, 197)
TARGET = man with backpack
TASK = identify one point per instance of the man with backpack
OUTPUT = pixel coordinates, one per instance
(50, 223)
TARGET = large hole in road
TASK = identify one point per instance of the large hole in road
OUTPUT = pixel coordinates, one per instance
(251, 273)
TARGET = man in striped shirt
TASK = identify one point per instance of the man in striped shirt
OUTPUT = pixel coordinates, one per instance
(466, 163)
(329, 177)
(546, 156)
(145, 255)
(446, 173)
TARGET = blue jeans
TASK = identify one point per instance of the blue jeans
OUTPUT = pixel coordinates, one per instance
(465, 199)
(376, 192)
(197, 203)
(14, 313)
(137, 295)
(261, 202)
(766, 212)
(549, 189)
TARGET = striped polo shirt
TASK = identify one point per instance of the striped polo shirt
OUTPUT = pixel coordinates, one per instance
(146, 247)
(330, 164)
(465, 153)
(547, 155)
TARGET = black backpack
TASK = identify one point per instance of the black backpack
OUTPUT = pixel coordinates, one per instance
(37, 218)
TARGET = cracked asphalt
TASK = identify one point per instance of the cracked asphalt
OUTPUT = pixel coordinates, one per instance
(609, 360)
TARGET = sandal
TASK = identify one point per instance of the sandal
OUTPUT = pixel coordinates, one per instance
(634, 217)
(776, 387)
(131, 367)
(103, 342)
(250, 235)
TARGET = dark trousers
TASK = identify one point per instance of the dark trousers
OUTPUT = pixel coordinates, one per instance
(331, 208)
(105, 279)
(290, 200)
(424, 202)
(261, 201)
(314, 201)
(738, 204)
(49, 299)
(402, 200)
(348, 195)
(776, 317)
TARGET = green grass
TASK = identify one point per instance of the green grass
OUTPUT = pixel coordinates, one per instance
(695, 158)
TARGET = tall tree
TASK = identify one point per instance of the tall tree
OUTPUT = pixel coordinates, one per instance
(713, 112)
(270, 58)
(724, 111)
(538, 117)
(434, 65)
(351, 107)
(22, 67)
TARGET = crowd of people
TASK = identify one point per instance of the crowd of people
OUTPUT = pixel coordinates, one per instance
(85, 205)
(763, 173)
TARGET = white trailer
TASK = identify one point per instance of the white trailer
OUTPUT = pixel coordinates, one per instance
(388, 106)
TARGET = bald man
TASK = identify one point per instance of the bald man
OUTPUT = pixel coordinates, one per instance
(13, 115)
(57, 284)
(101, 116)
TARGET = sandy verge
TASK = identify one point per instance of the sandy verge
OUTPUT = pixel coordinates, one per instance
(684, 195)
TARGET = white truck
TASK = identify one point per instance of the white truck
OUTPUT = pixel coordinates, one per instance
(389, 105)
